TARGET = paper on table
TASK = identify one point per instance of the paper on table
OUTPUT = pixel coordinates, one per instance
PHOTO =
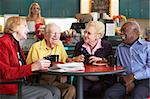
(56, 70)
(69, 66)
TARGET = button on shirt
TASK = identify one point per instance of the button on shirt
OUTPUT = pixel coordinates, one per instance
(135, 58)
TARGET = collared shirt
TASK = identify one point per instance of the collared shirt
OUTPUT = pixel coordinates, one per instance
(40, 50)
(92, 52)
(103, 52)
(135, 58)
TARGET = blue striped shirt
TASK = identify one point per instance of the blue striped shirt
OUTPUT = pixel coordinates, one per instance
(135, 58)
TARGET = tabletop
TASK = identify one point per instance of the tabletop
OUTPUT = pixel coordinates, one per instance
(90, 70)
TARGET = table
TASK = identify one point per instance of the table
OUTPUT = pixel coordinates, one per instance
(90, 70)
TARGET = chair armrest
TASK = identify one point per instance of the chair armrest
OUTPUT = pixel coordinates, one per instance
(12, 82)
(19, 82)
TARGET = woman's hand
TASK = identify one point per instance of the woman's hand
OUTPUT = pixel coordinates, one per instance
(97, 59)
(79, 58)
(40, 65)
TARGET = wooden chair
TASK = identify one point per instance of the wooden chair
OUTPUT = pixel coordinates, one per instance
(19, 82)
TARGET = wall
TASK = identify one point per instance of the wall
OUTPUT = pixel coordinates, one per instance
(144, 23)
(0, 7)
(135, 8)
(50, 8)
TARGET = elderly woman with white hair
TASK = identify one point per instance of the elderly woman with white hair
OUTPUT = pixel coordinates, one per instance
(91, 49)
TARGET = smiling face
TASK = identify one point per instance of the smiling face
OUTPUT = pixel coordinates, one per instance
(16, 26)
(22, 30)
(93, 32)
(130, 32)
(53, 35)
(90, 35)
(35, 9)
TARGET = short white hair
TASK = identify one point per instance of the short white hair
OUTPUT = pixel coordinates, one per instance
(99, 26)
(50, 25)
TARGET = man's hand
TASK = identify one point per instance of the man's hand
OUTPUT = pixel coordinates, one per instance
(129, 87)
(129, 82)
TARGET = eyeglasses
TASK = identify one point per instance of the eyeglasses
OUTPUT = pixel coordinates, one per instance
(89, 33)
(55, 33)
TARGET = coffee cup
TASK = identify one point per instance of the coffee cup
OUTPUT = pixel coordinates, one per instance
(52, 58)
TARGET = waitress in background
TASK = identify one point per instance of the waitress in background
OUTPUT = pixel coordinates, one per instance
(35, 16)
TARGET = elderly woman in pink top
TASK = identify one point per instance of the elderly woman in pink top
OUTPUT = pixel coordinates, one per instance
(91, 49)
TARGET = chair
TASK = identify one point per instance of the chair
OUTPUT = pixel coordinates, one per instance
(19, 82)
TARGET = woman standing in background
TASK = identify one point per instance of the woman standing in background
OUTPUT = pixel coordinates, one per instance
(35, 16)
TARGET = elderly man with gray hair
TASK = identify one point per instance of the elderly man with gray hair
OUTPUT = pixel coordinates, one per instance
(51, 45)
(133, 54)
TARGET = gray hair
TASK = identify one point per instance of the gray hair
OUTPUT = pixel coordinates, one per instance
(50, 25)
(99, 26)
